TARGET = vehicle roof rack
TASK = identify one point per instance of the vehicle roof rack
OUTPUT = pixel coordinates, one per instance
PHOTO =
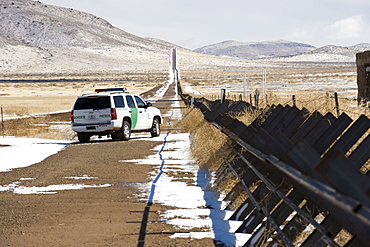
(118, 89)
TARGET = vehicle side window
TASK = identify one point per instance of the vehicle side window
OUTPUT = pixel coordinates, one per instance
(140, 103)
(118, 101)
(130, 101)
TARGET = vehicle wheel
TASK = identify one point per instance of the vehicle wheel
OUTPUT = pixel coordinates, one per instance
(155, 130)
(83, 137)
(124, 133)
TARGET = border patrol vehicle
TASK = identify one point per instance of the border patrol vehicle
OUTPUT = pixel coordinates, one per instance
(113, 112)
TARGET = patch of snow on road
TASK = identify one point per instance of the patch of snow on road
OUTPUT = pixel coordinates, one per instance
(160, 93)
(23, 152)
(50, 189)
(82, 177)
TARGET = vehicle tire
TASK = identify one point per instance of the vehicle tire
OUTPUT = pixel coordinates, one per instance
(155, 130)
(124, 133)
(83, 137)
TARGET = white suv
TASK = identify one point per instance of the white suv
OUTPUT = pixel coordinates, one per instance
(114, 112)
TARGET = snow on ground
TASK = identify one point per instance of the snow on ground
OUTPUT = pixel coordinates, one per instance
(33, 150)
(51, 189)
(189, 89)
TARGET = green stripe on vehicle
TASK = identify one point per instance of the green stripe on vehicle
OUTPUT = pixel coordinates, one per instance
(134, 116)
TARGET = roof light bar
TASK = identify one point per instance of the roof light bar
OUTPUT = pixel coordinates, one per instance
(118, 89)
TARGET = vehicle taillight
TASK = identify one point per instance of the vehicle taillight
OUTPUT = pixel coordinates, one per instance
(72, 119)
(113, 113)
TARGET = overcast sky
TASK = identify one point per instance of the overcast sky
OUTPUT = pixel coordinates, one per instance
(196, 23)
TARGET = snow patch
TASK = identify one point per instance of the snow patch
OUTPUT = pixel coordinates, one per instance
(50, 189)
(23, 152)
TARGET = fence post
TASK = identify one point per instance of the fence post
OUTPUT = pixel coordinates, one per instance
(336, 103)
(223, 95)
(2, 121)
(328, 101)
(266, 100)
(293, 98)
(256, 97)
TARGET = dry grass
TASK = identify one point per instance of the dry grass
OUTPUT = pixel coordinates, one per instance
(37, 127)
(209, 148)
(209, 145)
(343, 237)
(20, 99)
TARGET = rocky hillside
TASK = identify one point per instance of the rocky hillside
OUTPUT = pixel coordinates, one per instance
(36, 24)
(47, 37)
(255, 50)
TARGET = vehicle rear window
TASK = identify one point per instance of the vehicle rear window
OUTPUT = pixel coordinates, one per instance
(92, 103)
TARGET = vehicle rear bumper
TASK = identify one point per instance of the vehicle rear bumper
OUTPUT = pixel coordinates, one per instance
(95, 127)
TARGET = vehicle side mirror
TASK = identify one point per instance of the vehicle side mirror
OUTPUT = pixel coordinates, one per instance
(148, 104)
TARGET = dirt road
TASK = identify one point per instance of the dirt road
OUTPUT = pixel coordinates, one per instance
(110, 215)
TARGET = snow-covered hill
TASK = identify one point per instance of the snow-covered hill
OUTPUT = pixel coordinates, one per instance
(284, 51)
(40, 25)
(327, 54)
(36, 36)
(339, 50)
(255, 50)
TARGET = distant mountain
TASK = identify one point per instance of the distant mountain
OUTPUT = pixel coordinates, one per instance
(339, 50)
(327, 54)
(254, 50)
(366, 45)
